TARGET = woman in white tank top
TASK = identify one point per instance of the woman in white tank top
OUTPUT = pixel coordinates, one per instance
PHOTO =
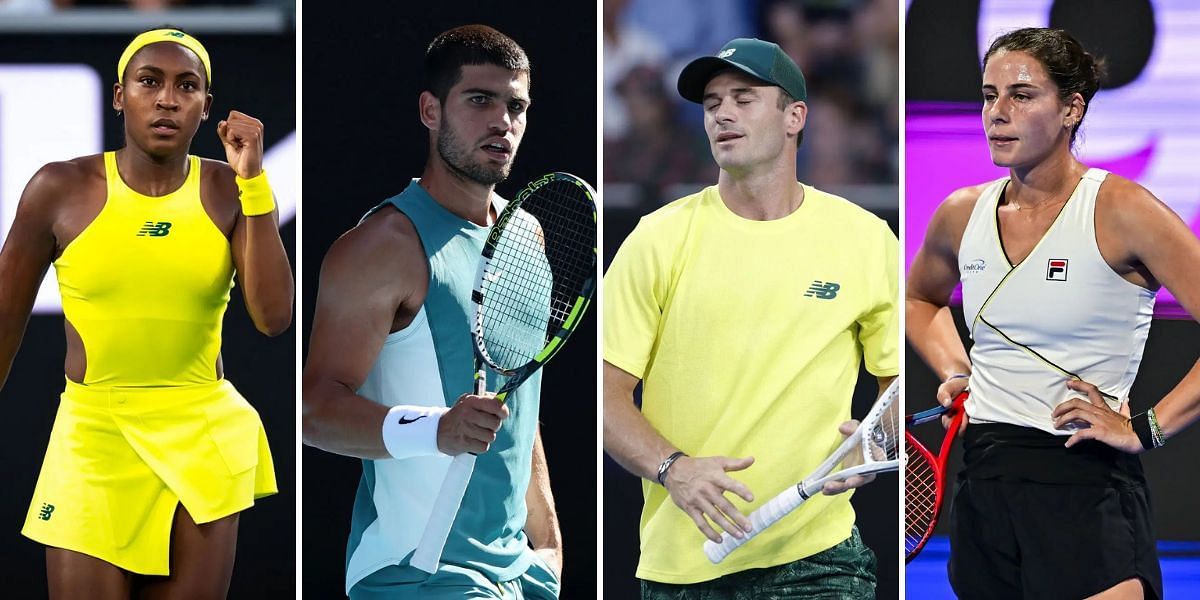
(1059, 265)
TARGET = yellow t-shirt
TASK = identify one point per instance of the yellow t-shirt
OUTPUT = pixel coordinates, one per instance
(748, 336)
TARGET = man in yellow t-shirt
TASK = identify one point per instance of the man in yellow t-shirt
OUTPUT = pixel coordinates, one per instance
(745, 311)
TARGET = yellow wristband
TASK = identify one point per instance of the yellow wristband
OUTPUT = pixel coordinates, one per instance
(255, 195)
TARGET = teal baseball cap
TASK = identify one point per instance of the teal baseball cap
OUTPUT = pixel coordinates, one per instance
(754, 57)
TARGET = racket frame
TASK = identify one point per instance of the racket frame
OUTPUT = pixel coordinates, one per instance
(938, 464)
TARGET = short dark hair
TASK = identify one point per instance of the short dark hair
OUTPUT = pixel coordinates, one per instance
(468, 45)
(786, 99)
(1073, 69)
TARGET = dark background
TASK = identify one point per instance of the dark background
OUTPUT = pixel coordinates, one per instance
(942, 55)
(256, 75)
(363, 142)
(942, 65)
(877, 505)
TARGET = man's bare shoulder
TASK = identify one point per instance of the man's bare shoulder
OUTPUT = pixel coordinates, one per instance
(386, 227)
(383, 248)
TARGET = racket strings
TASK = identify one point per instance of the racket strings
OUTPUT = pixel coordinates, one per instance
(542, 261)
(883, 439)
(920, 497)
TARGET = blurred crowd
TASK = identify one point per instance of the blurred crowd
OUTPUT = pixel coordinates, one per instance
(848, 50)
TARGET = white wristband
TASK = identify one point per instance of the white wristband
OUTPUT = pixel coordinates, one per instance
(410, 431)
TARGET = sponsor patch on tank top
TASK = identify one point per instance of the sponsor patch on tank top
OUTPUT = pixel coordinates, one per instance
(974, 267)
(1056, 269)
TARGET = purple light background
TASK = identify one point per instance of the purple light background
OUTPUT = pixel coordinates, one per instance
(1146, 130)
(945, 150)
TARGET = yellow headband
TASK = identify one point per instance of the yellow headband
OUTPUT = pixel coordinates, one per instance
(163, 35)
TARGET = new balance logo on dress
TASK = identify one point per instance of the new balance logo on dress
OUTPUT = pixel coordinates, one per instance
(153, 229)
(46, 511)
(825, 290)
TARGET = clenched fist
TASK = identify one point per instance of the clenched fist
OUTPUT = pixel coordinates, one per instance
(242, 136)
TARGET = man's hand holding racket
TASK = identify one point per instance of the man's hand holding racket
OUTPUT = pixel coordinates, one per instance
(834, 488)
(471, 424)
(697, 485)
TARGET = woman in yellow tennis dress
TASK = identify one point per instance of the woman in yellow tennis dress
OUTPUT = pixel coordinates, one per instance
(153, 453)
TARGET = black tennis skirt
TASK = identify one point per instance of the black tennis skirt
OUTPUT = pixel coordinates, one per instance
(1033, 519)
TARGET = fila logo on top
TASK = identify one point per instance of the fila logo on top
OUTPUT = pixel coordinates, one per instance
(1056, 269)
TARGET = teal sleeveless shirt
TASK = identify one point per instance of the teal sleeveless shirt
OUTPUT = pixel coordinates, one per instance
(487, 535)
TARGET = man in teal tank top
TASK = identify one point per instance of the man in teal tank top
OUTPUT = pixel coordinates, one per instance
(390, 364)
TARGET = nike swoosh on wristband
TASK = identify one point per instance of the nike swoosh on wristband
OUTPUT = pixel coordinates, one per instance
(404, 421)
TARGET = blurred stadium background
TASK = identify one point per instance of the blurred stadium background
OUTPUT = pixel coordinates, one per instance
(655, 151)
(57, 66)
(1141, 125)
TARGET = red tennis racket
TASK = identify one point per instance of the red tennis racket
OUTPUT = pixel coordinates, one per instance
(925, 476)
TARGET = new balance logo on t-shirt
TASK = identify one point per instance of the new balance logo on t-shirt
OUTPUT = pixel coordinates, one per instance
(46, 511)
(824, 290)
(153, 229)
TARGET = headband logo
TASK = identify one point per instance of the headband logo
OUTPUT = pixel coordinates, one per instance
(727, 53)
(176, 34)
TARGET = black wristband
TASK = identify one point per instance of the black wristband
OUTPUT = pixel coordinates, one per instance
(666, 465)
(1141, 426)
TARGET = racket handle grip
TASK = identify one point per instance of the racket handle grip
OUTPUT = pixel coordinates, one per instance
(764, 517)
(428, 554)
(480, 382)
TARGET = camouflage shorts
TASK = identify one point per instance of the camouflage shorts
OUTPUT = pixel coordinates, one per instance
(845, 571)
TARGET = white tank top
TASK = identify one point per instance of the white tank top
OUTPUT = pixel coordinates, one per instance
(406, 372)
(1060, 313)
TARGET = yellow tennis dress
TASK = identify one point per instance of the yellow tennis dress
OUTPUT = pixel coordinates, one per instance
(151, 426)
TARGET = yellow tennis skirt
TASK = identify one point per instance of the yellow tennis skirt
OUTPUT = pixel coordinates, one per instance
(121, 460)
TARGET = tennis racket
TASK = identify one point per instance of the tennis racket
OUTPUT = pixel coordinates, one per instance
(925, 476)
(535, 280)
(875, 444)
